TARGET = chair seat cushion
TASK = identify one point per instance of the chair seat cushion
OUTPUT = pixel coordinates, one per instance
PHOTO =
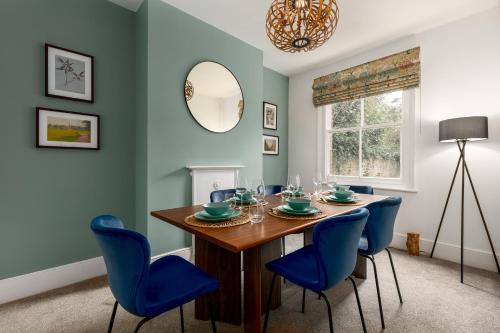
(174, 281)
(363, 243)
(299, 267)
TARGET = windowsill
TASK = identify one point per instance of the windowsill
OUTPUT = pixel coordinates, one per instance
(395, 189)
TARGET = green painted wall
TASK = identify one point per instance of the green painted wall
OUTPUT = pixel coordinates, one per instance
(177, 42)
(48, 196)
(141, 121)
(275, 168)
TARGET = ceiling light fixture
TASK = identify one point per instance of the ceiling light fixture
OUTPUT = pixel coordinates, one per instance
(301, 25)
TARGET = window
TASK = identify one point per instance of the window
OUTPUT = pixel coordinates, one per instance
(369, 140)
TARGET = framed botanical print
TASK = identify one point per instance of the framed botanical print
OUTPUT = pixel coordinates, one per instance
(270, 116)
(64, 129)
(270, 145)
(69, 74)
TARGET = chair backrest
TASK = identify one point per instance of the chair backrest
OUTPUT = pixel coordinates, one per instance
(270, 189)
(127, 256)
(361, 189)
(335, 242)
(379, 229)
(220, 195)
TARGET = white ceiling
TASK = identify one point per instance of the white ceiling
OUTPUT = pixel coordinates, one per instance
(362, 24)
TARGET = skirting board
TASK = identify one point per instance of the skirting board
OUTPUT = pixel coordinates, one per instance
(26, 285)
(451, 252)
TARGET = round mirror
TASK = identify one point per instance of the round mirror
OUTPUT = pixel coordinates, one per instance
(214, 97)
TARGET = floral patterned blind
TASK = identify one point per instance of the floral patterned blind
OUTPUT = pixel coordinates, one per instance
(394, 72)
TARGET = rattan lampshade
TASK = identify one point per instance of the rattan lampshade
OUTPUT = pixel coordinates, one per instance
(465, 128)
(301, 25)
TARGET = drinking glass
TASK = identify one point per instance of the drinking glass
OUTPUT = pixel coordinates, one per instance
(256, 212)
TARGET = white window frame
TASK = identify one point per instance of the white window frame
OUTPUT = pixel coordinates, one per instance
(406, 181)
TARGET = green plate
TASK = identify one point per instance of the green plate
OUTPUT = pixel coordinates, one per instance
(204, 216)
(332, 198)
(287, 210)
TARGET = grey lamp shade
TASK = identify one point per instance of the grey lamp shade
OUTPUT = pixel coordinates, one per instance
(465, 128)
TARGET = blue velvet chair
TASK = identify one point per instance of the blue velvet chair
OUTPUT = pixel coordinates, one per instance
(361, 189)
(142, 288)
(220, 195)
(330, 259)
(377, 236)
(270, 189)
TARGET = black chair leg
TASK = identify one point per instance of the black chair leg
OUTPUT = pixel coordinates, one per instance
(303, 300)
(330, 320)
(269, 303)
(359, 303)
(283, 251)
(394, 273)
(182, 318)
(142, 322)
(212, 318)
(112, 320)
(372, 259)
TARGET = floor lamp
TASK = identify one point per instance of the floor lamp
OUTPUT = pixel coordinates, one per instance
(461, 131)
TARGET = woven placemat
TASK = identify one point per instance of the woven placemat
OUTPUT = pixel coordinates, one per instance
(242, 219)
(276, 213)
(357, 203)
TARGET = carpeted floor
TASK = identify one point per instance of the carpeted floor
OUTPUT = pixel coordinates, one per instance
(434, 301)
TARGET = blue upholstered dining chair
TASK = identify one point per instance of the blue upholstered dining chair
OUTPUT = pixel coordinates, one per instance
(220, 195)
(270, 189)
(361, 189)
(330, 259)
(143, 289)
(377, 236)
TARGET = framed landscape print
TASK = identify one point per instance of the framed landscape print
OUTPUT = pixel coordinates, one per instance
(270, 116)
(270, 145)
(64, 129)
(69, 74)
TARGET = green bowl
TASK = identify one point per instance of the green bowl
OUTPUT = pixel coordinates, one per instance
(342, 187)
(216, 208)
(299, 204)
(245, 196)
(343, 194)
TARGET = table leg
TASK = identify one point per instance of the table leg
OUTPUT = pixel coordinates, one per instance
(359, 270)
(225, 266)
(257, 283)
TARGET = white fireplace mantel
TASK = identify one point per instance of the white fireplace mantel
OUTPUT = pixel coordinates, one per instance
(208, 178)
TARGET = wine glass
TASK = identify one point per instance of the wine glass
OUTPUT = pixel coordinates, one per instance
(256, 212)
(230, 199)
(256, 185)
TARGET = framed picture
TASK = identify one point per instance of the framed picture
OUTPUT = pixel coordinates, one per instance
(69, 74)
(270, 116)
(270, 145)
(64, 129)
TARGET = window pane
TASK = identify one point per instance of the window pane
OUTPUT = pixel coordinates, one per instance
(345, 152)
(381, 152)
(386, 108)
(346, 114)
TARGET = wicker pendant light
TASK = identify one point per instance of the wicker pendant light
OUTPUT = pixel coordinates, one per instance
(301, 25)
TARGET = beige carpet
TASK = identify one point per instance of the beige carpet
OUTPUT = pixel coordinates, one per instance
(434, 301)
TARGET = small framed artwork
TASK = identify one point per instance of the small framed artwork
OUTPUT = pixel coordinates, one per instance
(64, 129)
(270, 116)
(270, 145)
(69, 74)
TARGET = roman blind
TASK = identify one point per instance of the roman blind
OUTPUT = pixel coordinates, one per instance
(394, 72)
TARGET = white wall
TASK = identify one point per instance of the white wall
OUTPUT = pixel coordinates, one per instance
(460, 77)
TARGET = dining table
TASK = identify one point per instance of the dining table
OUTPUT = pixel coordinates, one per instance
(236, 253)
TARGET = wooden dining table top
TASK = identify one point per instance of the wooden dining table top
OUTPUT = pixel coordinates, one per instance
(242, 237)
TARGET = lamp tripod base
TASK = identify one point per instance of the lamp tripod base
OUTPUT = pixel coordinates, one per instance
(465, 170)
